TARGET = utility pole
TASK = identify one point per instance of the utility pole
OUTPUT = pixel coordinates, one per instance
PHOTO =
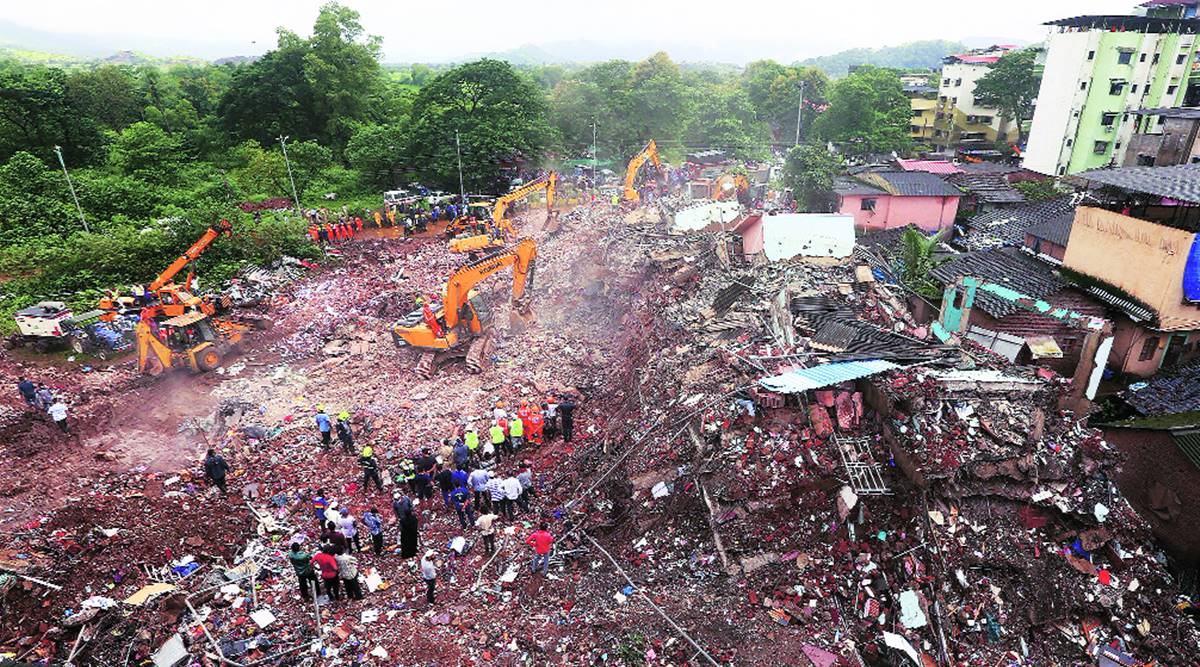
(799, 111)
(283, 143)
(462, 193)
(595, 154)
(58, 152)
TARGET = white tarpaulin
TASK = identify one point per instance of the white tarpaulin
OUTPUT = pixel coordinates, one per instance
(807, 235)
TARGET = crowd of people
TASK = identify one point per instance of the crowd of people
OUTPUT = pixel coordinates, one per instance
(482, 479)
(39, 397)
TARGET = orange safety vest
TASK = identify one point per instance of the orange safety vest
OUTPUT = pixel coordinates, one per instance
(312, 231)
(535, 423)
(358, 224)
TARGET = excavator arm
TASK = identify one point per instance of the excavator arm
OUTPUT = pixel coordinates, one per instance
(191, 254)
(460, 284)
(549, 183)
(650, 152)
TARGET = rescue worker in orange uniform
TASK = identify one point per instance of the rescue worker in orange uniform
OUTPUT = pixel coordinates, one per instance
(430, 318)
(357, 224)
(536, 423)
(330, 231)
(312, 232)
(523, 413)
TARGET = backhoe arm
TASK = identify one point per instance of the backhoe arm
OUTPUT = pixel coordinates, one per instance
(459, 287)
(549, 183)
(191, 254)
(650, 152)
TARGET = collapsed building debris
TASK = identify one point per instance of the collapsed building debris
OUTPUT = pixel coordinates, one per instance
(779, 459)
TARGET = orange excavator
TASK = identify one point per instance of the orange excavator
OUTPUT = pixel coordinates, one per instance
(177, 328)
(461, 325)
(728, 185)
(647, 154)
(501, 227)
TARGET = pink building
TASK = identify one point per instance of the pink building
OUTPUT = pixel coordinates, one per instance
(884, 200)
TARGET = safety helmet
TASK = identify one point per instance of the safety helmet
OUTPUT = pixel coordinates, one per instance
(320, 407)
(367, 451)
(343, 415)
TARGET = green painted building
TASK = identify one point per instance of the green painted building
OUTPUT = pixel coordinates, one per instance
(1099, 71)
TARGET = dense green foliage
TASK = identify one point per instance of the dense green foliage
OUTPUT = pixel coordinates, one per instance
(868, 113)
(913, 55)
(809, 170)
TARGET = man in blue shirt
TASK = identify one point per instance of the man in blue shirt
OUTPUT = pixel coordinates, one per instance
(461, 497)
(374, 524)
(324, 426)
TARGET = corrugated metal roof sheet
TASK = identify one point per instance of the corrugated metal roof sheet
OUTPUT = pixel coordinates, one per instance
(1009, 267)
(1188, 442)
(825, 375)
(1180, 182)
(1007, 226)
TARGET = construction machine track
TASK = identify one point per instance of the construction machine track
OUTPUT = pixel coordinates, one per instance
(480, 354)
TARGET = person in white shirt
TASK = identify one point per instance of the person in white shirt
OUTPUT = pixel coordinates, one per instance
(348, 526)
(58, 412)
(488, 531)
(478, 481)
(429, 574)
(512, 492)
(348, 573)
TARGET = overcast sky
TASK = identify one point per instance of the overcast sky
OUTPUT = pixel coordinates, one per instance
(441, 30)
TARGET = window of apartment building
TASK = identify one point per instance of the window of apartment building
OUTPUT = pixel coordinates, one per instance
(1117, 146)
(1148, 349)
(1062, 171)
(1100, 147)
(1171, 89)
(1070, 142)
(953, 100)
(1091, 55)
(1142, 58)
(1124, 57)
(1155, 61)
(867, 205)
(1133, 88)
(914, 128)
(945, 82)
(1145, 160)
(1180, 59)
(1083, 85)
(958, 82)
(1116, 87)
(942, 98)
(1108, 119)
(916, 113)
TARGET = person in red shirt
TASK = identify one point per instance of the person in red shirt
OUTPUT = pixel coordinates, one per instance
(326, 564)
(357, 224)
(312, 231)
(329, 232)
(542, 542)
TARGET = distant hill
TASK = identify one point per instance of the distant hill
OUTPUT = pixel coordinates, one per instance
(925, 54)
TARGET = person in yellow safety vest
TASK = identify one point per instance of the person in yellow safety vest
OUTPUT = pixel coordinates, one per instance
(498, 438)
(471, 438)
(405, 472)
(391, 217)
(378, 220)
(516, 435)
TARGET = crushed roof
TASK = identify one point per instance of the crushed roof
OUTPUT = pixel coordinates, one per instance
(1181, 182)
(1190, 113)
(989, 188)
(1010, 267)
(1007, 226)
(852, 186)
(1172, 392)
(912, 184)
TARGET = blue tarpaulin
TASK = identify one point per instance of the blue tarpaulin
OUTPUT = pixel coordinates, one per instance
(1191, 272)
(825, 375)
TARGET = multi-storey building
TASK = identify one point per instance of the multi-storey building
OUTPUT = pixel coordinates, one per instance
(1099, 71)
(923, 103)
(1163, 137)
(959, 121)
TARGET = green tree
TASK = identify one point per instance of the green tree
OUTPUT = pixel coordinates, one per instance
(868, 113)
(659, 105)
(1010, 86)
(342, 69)
(809, 170)
(499, 115)
(377, 153)
(725, 119)
(917, 261)
(146, 152)
(775, 92)
(600, 93)
(34, 200)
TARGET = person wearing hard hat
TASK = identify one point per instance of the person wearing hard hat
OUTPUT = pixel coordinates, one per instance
(370, 466)
(323, 426)
(471, 438)
(498, 436)
(344, 434)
